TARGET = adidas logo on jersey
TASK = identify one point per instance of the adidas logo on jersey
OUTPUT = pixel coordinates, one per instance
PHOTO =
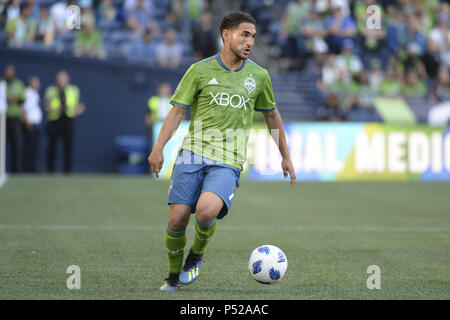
(213, 81)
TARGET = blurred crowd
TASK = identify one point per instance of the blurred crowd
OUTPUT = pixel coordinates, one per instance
(401, 49)
(153, 32)
(407, 54)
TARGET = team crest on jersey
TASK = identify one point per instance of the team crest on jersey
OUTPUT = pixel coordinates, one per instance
(250, 83)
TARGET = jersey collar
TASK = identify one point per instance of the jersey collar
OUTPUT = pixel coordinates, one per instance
(225, 67)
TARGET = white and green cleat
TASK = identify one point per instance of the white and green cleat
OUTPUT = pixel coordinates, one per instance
(170, 285)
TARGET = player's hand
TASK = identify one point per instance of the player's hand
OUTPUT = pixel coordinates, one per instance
(156, 160)
(286, 165)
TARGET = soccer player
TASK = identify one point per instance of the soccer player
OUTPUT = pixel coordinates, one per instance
(223, 92)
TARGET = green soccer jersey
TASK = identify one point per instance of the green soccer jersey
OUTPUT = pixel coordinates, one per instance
(223, 103)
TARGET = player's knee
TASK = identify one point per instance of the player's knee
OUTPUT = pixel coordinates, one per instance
(206, 213)
(178, 222)
(208, 207)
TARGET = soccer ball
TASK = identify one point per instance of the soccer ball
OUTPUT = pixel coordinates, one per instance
(267, 264)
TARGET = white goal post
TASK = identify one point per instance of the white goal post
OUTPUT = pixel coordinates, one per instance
(3, 107)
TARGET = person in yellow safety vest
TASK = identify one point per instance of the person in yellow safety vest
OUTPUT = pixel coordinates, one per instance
(63, 104)
(158, 108)
(15, 96)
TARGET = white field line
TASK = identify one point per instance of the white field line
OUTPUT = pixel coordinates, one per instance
(344, 229)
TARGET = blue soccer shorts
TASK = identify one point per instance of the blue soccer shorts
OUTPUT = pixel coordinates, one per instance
(193, 174)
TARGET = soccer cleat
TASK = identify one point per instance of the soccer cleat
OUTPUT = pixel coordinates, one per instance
(191, 269)
(171, 284)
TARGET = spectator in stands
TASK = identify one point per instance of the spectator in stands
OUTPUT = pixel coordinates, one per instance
(395, 25)
(340, 27)
(63, 104)
(312, 31)
(293, 46)
(358, 101)
(440, 34)
(325, 7)
(350, 61)
(15, 96)
(58, 15)
(34, 9)
(375, 75)
(22, 29)
(171, 22)
(158, 108)
(331, 110)
(12, 10)
(440, 37)
(319, 55)
(358, 92)
(432, 59)
(412, 59)
(88, 41)
(130, 5)
(194, 9)
(413, 35)
(390, 85)
(169, 52)
(177, 10)
(440, 90)
(425, 14)
(139, 16)
(204, 38)
(185, 13)
(32, 118)
(332, 74)
(3, 12)
(372, 38)
(86, 10)
(413, 87)
(144, 50)
(107, 11)
(46, 28)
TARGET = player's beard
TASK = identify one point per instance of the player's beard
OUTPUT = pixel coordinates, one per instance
(238, 53)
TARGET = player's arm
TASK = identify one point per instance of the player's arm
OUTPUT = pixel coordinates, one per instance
(275, 125)
(170, 125)
(181, 100)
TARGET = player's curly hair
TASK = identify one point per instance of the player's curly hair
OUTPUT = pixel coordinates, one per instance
(234, 19)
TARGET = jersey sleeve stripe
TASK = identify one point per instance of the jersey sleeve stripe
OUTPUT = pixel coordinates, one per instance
(179, 104)
(264, 110)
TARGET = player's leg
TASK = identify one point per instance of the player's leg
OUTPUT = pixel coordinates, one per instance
(175, 240)
(184, 191)
(175, 235)
(208, 207)
(214, 202)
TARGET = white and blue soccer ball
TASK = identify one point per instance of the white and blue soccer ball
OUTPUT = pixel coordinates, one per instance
(267, 264)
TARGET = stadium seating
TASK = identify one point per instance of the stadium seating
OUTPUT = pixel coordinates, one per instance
(295, 90)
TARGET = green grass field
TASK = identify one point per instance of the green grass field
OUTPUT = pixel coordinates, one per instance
(112, 228)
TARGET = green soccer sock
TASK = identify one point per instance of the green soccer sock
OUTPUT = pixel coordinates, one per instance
(203, 234)
(175, 243)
